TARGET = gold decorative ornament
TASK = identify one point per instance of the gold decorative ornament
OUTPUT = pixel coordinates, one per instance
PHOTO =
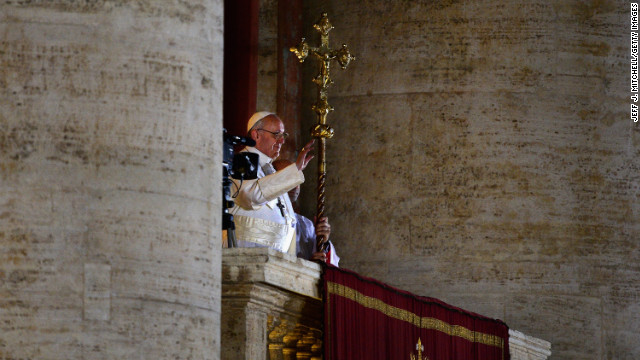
(288, 340)
(321, 107)
(420, 349)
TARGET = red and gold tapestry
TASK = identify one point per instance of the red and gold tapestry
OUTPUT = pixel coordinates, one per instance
(366, 319)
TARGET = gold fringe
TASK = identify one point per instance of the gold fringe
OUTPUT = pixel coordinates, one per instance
(421, 322)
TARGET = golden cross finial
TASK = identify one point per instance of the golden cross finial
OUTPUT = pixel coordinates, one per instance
(419, 349)
(323, 79)
(321, 130)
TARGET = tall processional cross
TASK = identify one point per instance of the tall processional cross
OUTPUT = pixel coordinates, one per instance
(321, 107)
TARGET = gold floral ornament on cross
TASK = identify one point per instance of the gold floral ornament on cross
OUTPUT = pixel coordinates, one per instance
(419, 349)
(321, 107)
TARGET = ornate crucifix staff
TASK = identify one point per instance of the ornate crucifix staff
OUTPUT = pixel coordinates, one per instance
(321, 130)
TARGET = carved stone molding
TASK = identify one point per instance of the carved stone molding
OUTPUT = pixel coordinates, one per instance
(525, 347)
(271, 306)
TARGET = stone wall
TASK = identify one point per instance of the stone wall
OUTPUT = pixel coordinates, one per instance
(267, 87)
(110, 140)
(484, 155)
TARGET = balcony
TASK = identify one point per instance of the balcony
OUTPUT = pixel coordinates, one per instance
(272, 309)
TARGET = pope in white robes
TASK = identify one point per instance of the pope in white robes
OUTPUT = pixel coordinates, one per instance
(263, 213)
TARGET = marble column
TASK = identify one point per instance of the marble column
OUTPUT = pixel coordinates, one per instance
(110, 139)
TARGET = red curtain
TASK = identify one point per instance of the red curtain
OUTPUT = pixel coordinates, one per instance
(240, 64)
(366, 319)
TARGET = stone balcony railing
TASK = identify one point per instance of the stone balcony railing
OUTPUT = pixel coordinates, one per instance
(272, 309)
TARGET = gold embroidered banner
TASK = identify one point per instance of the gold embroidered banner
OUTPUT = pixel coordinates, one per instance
(366, 319)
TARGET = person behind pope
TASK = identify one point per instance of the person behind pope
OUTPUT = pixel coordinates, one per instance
(262, 213)
(306, 232)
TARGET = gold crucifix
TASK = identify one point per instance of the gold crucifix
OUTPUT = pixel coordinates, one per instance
(321, 130)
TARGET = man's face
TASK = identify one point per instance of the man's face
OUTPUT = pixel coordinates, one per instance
(266, 141)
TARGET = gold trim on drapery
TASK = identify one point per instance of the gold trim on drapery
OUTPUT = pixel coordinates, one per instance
(418, 321)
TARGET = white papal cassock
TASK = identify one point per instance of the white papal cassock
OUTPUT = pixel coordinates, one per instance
(257, 216)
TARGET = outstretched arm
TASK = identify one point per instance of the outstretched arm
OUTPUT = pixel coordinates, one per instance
(255, 193)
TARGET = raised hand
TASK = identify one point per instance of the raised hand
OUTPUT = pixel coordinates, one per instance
(305, 155)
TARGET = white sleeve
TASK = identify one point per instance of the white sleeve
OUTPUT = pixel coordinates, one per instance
(255, 193)
(335, 259)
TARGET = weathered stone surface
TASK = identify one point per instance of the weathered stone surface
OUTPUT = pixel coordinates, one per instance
(110, 131)
(267, 80)
(261, 289)
(260, 265)
(525, 347)
(484, 155)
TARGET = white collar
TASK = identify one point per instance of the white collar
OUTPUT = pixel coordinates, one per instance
(263, 159)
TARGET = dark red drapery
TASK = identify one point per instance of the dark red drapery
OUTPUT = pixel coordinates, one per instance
(366, 319)
(240, 64)
(241, 56)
